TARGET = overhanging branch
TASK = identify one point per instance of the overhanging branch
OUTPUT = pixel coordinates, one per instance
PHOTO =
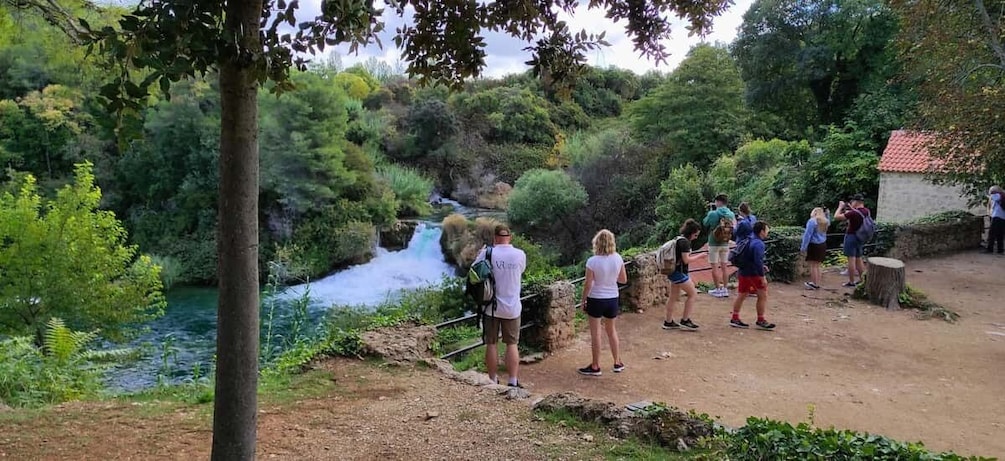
(54, 14)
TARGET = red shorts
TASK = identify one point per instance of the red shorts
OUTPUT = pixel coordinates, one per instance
(750, 284)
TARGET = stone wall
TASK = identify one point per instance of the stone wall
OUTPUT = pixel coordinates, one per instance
(907, 196)
(554, 313)
(647, 288)
(920, 240)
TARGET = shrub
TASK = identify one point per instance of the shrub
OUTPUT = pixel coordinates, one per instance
(171, 270)
(782, 252)
(543, 197)
(62, 369)
(411, 189)
(764, 439)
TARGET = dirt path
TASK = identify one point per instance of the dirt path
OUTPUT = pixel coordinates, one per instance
(355, 411)
(861, 367)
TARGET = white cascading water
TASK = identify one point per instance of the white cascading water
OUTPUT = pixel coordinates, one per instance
(419, 265)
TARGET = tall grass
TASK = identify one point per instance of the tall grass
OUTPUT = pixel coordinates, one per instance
(411, 189)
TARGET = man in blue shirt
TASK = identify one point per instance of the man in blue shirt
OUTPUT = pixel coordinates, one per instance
(996, 209)
(752, 279)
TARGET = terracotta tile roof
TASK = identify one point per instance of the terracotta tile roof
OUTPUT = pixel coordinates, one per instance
(906, 153)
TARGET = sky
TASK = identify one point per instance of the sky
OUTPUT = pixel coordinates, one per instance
(506, 55)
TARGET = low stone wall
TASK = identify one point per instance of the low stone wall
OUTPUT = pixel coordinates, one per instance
(647, 288)
(554, 313)
(920, 240)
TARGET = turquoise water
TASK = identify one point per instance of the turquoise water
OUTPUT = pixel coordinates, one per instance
(181, 344)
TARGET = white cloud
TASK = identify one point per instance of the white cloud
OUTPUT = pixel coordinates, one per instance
(506, 55)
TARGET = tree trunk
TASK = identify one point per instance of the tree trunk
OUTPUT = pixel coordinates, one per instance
(886, 280)
(235, 406)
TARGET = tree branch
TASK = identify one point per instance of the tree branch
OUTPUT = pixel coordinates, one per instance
(54, 14)
(993, 33)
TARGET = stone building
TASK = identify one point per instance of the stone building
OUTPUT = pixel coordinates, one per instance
(904, 193)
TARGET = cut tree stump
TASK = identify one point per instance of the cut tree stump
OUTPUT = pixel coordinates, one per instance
(886, 280)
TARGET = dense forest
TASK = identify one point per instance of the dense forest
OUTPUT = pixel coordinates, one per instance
(790, 116)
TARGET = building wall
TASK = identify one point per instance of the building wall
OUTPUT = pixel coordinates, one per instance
(906, 196)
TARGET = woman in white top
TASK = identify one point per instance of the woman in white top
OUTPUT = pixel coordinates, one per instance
(604, 271)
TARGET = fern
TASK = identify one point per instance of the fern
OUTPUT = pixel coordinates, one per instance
(64, 344)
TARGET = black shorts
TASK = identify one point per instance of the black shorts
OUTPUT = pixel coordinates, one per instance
(608, 308)
(816, 252)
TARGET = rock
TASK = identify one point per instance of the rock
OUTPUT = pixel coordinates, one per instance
(669, 428)
(532, 358)
(587, 438)
(475, 378)
(432, 414)
(401, 344)
(516, 393)
(397, 237)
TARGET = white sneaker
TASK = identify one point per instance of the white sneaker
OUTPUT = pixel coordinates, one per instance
(844, 272)
(724, 292)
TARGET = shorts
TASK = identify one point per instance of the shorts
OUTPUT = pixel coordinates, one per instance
(816, 252)
(510, 329)
(678, 278)
(608, 308)
(718, 255)
(852, 246)
(751, 284)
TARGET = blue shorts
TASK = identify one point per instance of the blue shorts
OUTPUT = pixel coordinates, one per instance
(678, 278)
(852, 246)
(608, 308)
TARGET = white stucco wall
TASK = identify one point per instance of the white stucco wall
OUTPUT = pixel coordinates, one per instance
(906, 196)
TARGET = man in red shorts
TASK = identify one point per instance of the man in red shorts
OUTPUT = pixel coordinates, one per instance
(752, 280)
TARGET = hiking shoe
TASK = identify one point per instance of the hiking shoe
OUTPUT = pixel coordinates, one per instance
(671, 325)
(737, 323)
(765, 325)
(687, 324)
(590, 371)
(850, 284)
(618, 367)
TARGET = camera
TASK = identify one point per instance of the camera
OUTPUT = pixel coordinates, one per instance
(711, 206)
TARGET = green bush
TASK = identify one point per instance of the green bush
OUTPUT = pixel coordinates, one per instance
(782, 247)
(543, 197)
(171, 270)
(62, 369)
(411, 189)
(763, 439)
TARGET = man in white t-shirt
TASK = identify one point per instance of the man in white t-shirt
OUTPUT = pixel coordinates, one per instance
(508, 264)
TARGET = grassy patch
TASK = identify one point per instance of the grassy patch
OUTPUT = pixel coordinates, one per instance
(473, 360)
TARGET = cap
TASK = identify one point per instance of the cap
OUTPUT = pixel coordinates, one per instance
(502, 230)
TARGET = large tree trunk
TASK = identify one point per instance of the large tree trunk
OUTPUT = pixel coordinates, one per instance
(235, 406)
(886, 280)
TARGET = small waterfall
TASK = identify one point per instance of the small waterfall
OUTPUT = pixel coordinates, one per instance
(419, 265)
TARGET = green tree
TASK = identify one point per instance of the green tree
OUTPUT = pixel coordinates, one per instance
(698, 111)
(65, 258)
(248, 44)
(683, 195)
(956, 54)
(542, 197)
(805, 61)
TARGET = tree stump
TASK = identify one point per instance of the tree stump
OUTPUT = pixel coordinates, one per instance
(886, 280)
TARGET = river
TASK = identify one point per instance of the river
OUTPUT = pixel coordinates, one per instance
(181, 344)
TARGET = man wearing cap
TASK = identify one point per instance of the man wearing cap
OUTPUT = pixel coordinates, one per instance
(855, 213)
(508, 264)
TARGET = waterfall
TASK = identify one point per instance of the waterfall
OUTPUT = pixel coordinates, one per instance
(419, 265)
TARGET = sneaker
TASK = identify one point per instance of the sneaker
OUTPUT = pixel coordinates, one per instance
(517, 384)
(765, 325)
(687, 324)
(737, 323)
(590, 371)
(719, 293)
(844, 272)
(850, 284)
(811, 286)
(671, 325)
(724, 292)
(618, 367)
